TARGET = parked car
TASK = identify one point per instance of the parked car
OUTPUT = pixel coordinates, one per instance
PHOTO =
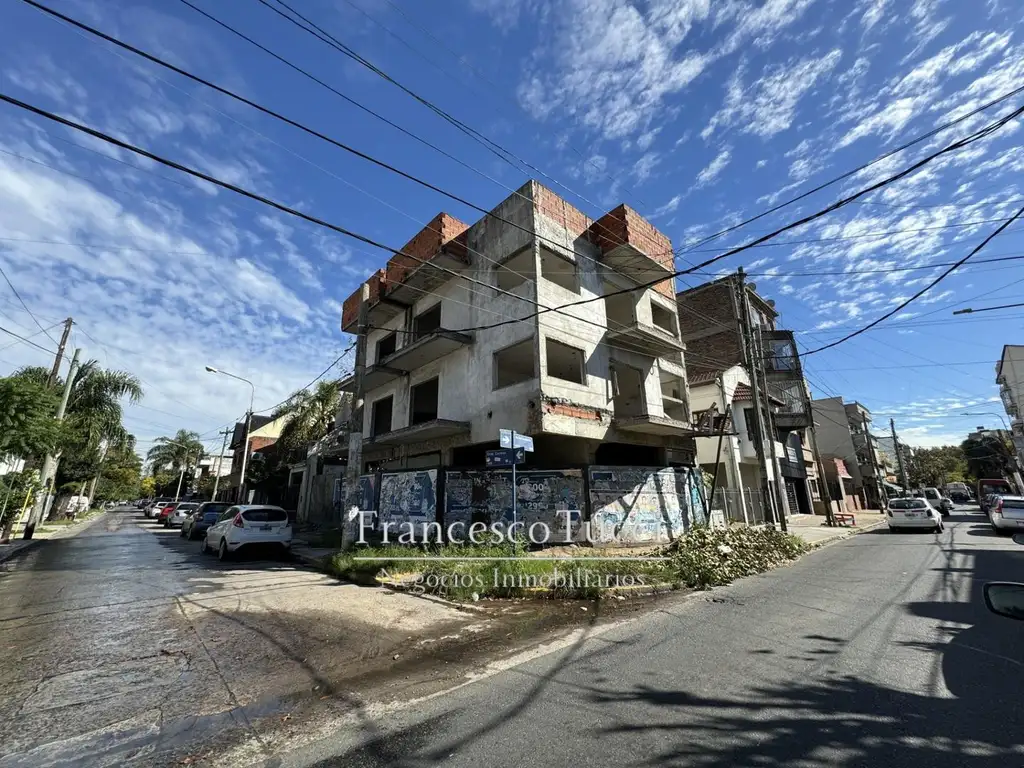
(154, 509)
(202, 518)
(938, 500)
(248, 525)
(177, 516)
(1005, 598)
(904, 514)
(166, 510)
(992, 487)
(959, 497)
(1006, 513)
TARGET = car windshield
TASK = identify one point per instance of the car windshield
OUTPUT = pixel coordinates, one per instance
(908, 504)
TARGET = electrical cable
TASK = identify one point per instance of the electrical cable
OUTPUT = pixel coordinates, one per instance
(27, 340)
(932, 284)
(25, 306)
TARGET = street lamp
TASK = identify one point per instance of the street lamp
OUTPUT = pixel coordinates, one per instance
(988, 413)
(248, 422)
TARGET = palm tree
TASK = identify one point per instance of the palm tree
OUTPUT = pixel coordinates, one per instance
(173, 453)
(93, 421)
(310, 417)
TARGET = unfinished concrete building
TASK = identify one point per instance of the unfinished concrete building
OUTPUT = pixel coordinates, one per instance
(603, 382)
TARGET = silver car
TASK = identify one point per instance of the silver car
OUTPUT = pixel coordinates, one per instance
(1006, 513)
(181, 511)
(904, 514)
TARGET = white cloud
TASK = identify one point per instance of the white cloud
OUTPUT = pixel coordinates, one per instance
(714, 168)
(768, 105)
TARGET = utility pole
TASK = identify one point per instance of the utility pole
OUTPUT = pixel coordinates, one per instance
(871, 459)
(46, 476)
(55, 370)
(220, 464)
(826, 494)
(355, 434)
(181, 477)
(759, 358)
(755, 386)
(899, 456)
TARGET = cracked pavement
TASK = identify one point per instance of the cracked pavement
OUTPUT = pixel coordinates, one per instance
(124, 645)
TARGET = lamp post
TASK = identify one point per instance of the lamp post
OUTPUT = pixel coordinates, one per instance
(989, 413)
(248, 422)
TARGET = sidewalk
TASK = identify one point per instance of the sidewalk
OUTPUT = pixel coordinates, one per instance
(45, 531)
(815, 531)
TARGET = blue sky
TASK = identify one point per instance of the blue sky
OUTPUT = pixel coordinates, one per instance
(696, 113)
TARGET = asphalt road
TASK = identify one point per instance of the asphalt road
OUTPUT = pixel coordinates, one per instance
(123, 645)
(876, 651)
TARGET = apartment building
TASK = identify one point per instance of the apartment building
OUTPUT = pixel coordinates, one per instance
(1010, 378)
(844, 432)
(460, 345)
(710, 317)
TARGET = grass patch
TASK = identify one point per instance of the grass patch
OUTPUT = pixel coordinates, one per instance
(703, 558)
(459, 576)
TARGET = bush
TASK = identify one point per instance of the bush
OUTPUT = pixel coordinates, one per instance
(708, 557)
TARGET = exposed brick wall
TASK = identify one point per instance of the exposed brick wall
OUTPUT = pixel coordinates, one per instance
(424, 246)
(575, 411)
(558, 210)
(713, 302)
(624, 225)
(350, 308)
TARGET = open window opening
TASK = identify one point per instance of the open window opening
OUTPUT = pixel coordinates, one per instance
(514, 364)
(516, 271)
(380, 416)
(559, 271)
(565, 362)
(664, 319)
(673, 397)
(423, 402)
(627, 390)
(426, 322)
(386, 346)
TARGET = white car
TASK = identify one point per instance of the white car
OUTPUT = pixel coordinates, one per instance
(904, 514)
(153, 510)
(248, 525)
(1006, 513)
(181, 511)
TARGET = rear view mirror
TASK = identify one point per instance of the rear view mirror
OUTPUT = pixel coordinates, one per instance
(1005, 598)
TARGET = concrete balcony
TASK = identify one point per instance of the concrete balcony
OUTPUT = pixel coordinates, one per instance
(652, 424)
(428, 430)
(406, 359)
(644, 339)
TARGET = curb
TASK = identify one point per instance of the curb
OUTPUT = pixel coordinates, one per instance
(23, 545)
(848, 534)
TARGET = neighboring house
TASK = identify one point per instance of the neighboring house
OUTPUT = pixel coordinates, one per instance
(601, 383)
(844, 431)
(263, 432)
(9, 464)
(710, 322)
(739, 472)
(214, 466)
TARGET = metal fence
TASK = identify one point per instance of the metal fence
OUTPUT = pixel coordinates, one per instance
(742, 507)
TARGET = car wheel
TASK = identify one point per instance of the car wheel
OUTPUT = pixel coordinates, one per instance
(181, 533)
(222, 551)
(205, 546)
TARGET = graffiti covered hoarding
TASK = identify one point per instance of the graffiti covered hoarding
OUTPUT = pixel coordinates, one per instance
(407, 497)
(642, 505)
(547, 497)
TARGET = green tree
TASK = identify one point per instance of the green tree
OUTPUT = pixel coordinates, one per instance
(27, 424)
(15, 489)
(120, 475)
(310, 417)
(147, 487)
(936, 466)
(172, 453)
(988, 456)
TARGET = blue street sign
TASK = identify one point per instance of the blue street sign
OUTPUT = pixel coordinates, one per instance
(505, 457)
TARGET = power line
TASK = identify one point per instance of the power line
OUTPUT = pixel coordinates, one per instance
(289, 121)
(924, 290)
(887, 270)
(267, 201)
(319, 376)
(501, 152)
(986, 309)
(27, 340)
(860, 168)
(23, 304)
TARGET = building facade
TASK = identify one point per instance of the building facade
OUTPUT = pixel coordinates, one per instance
(722, 328)
(844, 432)
(459, 345)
